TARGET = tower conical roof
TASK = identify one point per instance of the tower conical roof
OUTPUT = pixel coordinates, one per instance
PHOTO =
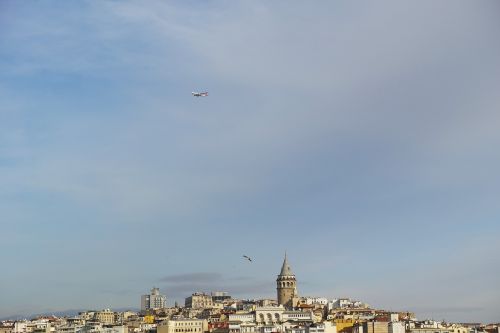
(285, 269)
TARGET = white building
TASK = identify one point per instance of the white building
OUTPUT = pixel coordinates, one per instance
(20, 327)
(242, 327)
(269, 314)
(153, 300)
(345, 303)
(273, 319)
(298, 316)
(242, 317)
(315, 300)
(397, 327)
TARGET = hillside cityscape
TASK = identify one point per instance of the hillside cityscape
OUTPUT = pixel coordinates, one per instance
(219, 312)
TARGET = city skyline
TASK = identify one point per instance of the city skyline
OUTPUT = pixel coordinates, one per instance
(360, 138)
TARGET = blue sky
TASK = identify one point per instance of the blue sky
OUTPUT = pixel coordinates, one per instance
(361, 137)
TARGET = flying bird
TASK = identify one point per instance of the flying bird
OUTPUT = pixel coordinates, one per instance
(200, 94)
(247, 258)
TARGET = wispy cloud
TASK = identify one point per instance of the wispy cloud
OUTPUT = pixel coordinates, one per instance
(182, 285)
(323, 120)
(199, 277)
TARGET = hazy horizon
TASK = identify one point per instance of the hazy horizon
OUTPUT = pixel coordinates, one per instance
(362, 138)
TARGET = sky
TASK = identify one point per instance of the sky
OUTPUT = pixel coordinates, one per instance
(362, 138)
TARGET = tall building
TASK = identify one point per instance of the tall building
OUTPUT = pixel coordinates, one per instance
(153, 301)
(286, 285)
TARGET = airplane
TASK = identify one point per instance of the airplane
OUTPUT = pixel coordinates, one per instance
(200, 94)
(248, 258)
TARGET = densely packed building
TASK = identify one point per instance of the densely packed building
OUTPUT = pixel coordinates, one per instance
(218, 312)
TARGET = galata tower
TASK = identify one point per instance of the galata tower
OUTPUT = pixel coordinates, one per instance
(286, 285)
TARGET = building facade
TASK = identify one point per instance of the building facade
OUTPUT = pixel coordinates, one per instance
(182, 326)
(376, 327)
(199, 301)
(105, 316)
(397, 327)
(153, 301)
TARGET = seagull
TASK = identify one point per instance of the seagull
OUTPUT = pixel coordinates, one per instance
(247, 258)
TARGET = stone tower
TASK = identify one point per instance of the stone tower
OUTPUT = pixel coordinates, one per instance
(286, 285)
